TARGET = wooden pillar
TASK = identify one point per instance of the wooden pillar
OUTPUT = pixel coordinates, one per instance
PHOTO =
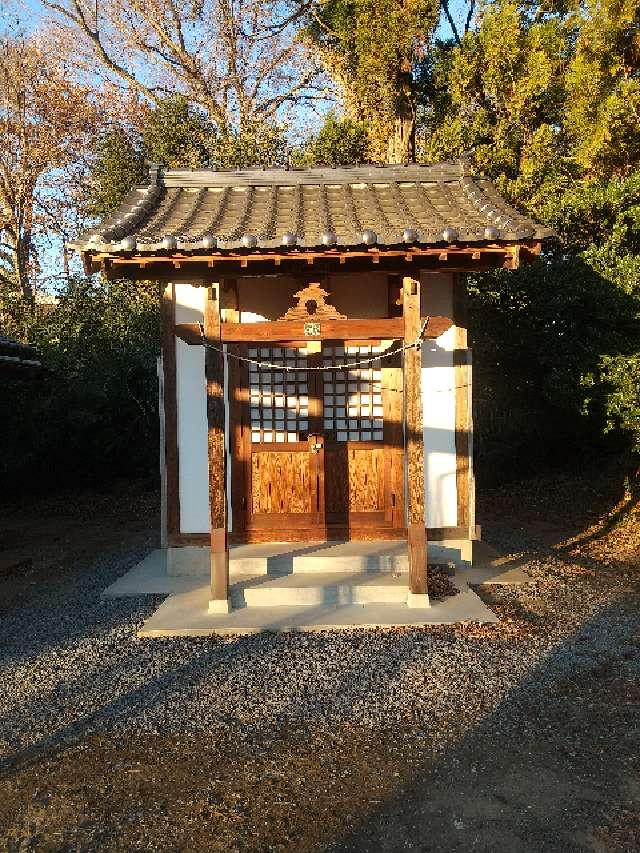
(462, 370)
(214, 368)
(168, 318)
(414, 436)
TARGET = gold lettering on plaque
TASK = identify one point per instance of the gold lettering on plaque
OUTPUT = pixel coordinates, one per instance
(311, 330)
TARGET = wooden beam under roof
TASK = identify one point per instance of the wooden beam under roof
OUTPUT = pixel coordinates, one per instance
(265, 266)
(375, 255)
(391, 328)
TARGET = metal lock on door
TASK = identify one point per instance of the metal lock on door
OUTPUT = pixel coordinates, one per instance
(315, 443)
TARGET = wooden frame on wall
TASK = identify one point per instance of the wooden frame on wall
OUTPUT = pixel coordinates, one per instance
(171, 455)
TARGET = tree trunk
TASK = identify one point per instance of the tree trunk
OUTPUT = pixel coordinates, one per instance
(402, 144)
(21, 252)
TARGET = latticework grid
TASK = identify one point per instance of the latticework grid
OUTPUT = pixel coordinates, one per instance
(352, 398)
(279, 401)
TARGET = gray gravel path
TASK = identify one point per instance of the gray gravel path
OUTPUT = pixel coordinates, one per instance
(71, 666)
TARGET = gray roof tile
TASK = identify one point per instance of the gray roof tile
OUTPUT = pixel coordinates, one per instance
(188, 205)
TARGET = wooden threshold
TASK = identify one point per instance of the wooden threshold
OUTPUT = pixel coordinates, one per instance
(329, 532)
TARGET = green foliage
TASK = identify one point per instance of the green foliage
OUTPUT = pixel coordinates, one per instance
(544, 99)
(177, 136)
(257, 144)
(500, 96)
(93, 413)
(603, 87)
(551, 342)
(339, 142)
(119, 165)
(363, 44)
(622, 405)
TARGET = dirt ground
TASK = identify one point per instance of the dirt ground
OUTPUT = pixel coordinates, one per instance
(553, 766)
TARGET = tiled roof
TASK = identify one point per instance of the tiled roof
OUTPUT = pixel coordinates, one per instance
(203, 210)
(16, 356)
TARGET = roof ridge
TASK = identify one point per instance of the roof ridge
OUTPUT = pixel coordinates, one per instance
(444, 170)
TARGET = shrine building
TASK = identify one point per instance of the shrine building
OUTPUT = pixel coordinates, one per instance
(315, 376)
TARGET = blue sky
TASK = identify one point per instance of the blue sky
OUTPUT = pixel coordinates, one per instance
(31, 11)
(26, 16)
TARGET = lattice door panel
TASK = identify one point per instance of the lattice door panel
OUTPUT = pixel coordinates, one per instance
(279, 401)
(352, 398)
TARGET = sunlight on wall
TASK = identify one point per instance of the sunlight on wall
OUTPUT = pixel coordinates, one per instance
(439, 407)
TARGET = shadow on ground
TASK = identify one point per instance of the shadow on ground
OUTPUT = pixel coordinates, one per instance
(516, 737)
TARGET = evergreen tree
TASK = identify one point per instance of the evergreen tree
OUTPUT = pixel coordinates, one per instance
(118, 166)
(371, 49)
(177, 135)
(339, 142)
(545, 101)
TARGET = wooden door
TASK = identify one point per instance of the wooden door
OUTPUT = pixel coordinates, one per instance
(276, 489)
(363, 453)
(317, 454)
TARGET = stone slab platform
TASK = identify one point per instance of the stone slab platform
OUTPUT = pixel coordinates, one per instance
(186, 614)
(316, 588)
(299, 557)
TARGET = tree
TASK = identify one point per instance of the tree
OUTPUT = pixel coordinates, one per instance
(544, 99)
(238, 60)
(499, 96)
(93, 413)
(339, 142)
(603, 87)
(371, 48)
(47, 123)
(178, 136)
(118, 165)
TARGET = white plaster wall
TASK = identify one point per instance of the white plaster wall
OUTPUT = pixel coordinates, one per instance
(163, 465)
(439, 405)
(269, 297)
(191, 390)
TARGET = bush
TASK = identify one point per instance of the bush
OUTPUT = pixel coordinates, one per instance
(93, 412)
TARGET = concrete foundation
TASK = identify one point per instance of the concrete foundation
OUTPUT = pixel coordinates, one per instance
(303, 557)
(267, 594)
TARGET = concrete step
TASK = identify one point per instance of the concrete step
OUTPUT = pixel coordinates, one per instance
(284, 558)
(320, 557)
(319, 589)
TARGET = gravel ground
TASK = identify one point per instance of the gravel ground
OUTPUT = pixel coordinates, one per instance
(520, 736)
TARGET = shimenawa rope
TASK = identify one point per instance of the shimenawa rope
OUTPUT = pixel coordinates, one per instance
(266, 365)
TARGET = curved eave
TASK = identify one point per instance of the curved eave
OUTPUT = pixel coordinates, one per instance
(347, 242)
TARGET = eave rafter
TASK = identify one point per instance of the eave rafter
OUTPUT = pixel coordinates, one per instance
(452, 258)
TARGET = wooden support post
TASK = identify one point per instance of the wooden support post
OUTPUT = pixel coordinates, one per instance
(417, 533)
(214, 368)
(462, 373)
(168, 314)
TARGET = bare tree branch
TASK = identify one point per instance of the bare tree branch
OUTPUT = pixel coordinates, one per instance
(454, 29)
(93, 35)
(238, 59)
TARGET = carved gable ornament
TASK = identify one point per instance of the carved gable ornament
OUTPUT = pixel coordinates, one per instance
(312, 305)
